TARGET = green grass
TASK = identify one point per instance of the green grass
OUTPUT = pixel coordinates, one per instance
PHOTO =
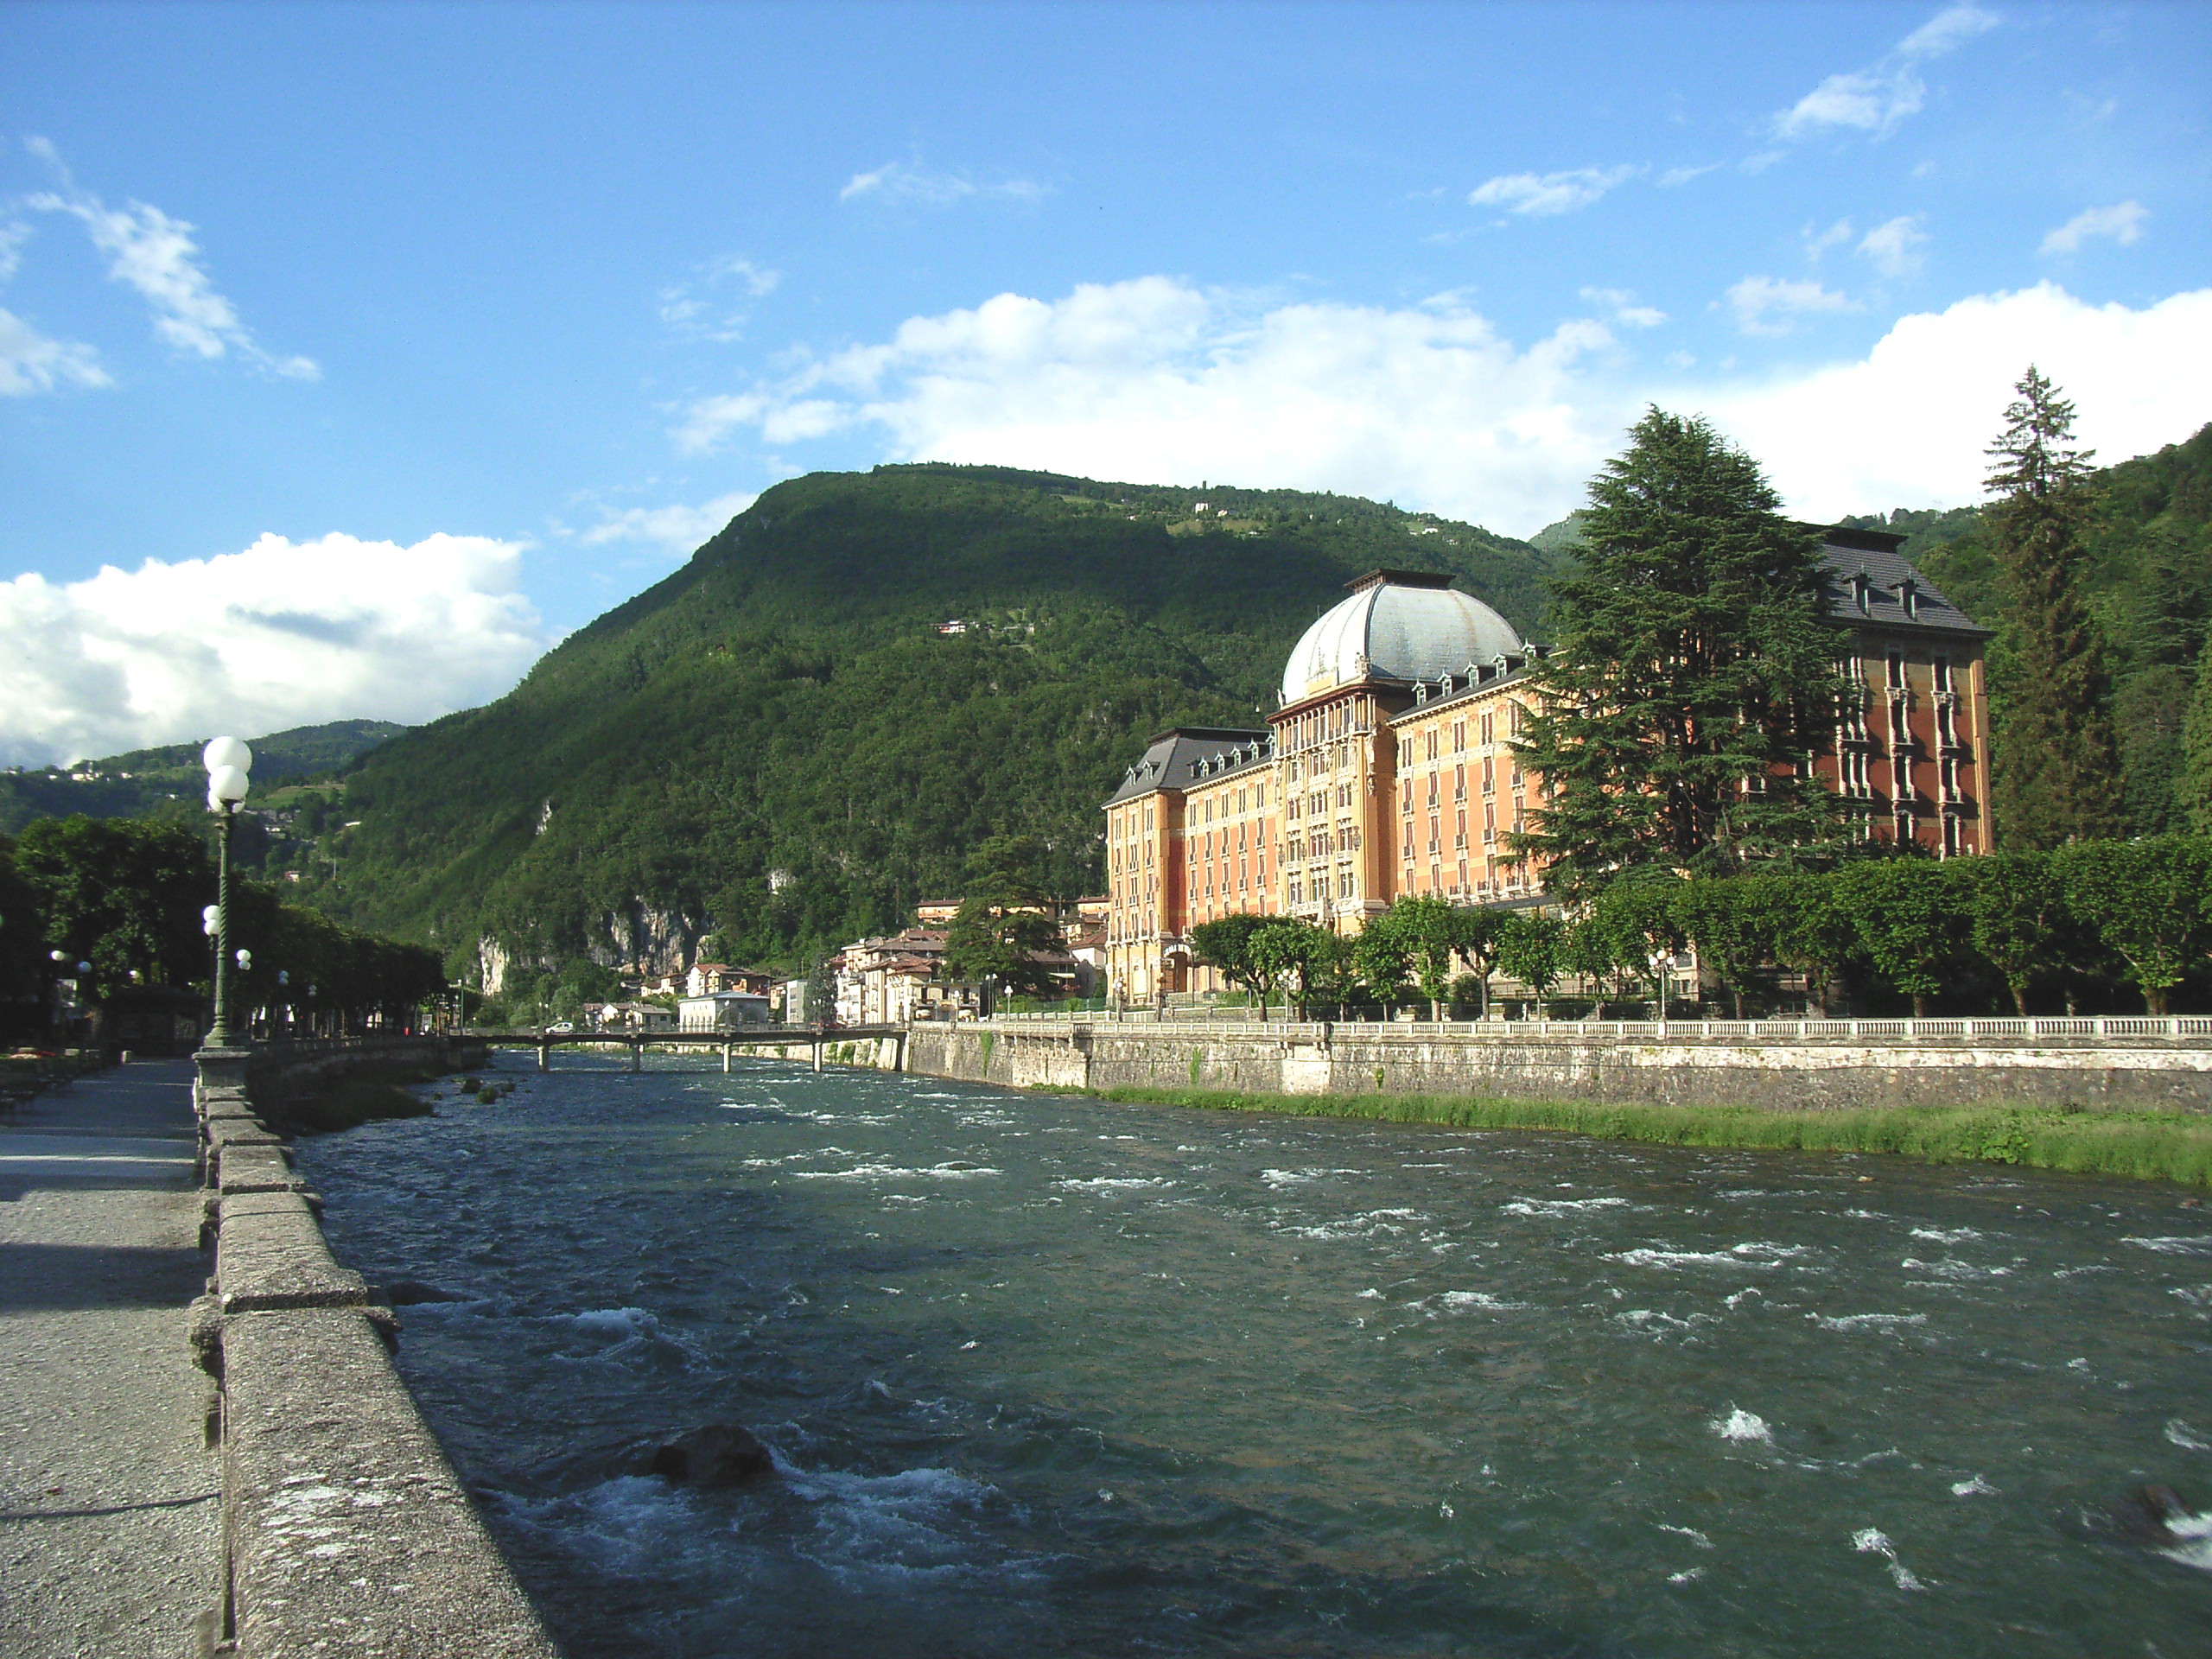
(2162, 1146)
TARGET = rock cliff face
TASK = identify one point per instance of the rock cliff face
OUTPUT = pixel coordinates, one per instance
(659, 940)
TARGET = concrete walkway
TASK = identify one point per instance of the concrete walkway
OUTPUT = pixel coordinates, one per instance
(111, 1518)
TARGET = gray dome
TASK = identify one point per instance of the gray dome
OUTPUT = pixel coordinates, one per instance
(1394, 629)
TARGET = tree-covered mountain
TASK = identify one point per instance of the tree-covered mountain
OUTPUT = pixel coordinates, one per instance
(143, 783)
(803, 731)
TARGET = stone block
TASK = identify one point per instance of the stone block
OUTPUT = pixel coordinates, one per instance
(270, 1255)
(349, 1532)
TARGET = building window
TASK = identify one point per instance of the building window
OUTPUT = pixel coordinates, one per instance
(1942, 674)
(1488, 727)
(1490, 776)
(1458, 735)
(1897, 670)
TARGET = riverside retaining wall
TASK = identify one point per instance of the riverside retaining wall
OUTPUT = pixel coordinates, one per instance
(345, 1529)
(1812, 1073)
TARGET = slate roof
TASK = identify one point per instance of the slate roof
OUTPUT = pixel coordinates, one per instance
(1190, 754)
(1851, 554)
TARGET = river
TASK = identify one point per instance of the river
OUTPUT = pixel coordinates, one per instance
(1046, 1376)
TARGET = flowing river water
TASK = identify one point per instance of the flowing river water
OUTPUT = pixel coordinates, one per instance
(1049, 1376)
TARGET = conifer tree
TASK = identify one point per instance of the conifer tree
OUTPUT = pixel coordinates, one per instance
(2058, 777)
(1694, 678)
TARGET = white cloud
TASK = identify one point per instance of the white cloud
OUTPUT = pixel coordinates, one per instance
(282, 634)
(29, 362)
(1877, 99)
(1539, 195)
(1819, 242)
(1429, 405)
(1621, 302)
(1907, 424)
(676, 528)
(1769, 305)
(901, 181)
(1154, 379)
(1675, 176)
(2123, 223)
(695, 309)
(155, 255)
(1895, 247)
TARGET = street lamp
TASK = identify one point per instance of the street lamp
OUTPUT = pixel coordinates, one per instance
(228, 761)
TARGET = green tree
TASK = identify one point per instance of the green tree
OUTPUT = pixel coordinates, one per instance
(995, 941)
(1731, 921)
(1292, 951)
(1594, 950)
(1532, 948)
(1641, 913)
(1226, 943)
(124, 894)
(2196, 750)
(1910, 917)
(2058, 777)
(1477, 935)
(2147, 900)
(1812, 934)
(2017, 919)
(1694, 676)
(1415, 939)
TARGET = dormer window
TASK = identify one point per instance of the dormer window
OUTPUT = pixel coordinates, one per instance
(1862, 593)
(1909, 597)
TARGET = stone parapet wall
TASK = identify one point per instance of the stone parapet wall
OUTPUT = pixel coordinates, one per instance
(346, 1528)
(1809, 1074)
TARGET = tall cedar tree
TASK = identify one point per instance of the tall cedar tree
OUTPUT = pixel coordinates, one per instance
(1694, 676)
(2058, 760)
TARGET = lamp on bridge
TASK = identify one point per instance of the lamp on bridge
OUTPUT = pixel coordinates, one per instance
(228, 761)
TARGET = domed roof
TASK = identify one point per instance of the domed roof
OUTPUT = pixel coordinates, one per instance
(1397, 625)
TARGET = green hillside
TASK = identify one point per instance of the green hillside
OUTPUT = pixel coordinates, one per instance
(785, 704)
(148, 782)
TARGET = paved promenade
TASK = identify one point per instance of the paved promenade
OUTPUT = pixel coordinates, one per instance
(109, 1497)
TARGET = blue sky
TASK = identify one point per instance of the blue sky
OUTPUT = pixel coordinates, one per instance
(350, 354)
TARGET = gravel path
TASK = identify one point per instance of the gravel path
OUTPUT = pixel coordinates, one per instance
(109, 1498)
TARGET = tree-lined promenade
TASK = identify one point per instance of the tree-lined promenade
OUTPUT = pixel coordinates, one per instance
(2094, 924)
(126, 897)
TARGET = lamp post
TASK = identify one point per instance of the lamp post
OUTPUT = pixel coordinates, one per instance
(228, 761)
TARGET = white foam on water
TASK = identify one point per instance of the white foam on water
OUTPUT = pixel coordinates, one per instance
(1282, 1177)
(1946, 1236)
(1480, 1298)
(1113, 1183)
(1741, 1425)
(911, 1525)
(1687, 1575)
(1561, 1206)
(1690, 1533)
(1866, 1321)
(1951, 1269)
(2180, 1433)
(1976, 1487)
(622, 1525)
(946, 1172)
(2198, 1245)
(1865, 1215)
(614, 1321)
(1370, 1294)
(2076, 1273)
(2195, 1295)
(2193, 1539)
(1744, 1295)
(1754, 1254)
(1870, 1540)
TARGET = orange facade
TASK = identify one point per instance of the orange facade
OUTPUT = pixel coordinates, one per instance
(1375, 785)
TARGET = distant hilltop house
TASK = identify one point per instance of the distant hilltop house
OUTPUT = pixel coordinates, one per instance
(953, 625)
(1388, 769)
(708, 978)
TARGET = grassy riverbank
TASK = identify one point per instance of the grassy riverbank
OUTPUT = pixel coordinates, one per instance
(2162, 1146)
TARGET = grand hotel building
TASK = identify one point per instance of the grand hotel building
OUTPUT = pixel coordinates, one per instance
(1389, 768)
